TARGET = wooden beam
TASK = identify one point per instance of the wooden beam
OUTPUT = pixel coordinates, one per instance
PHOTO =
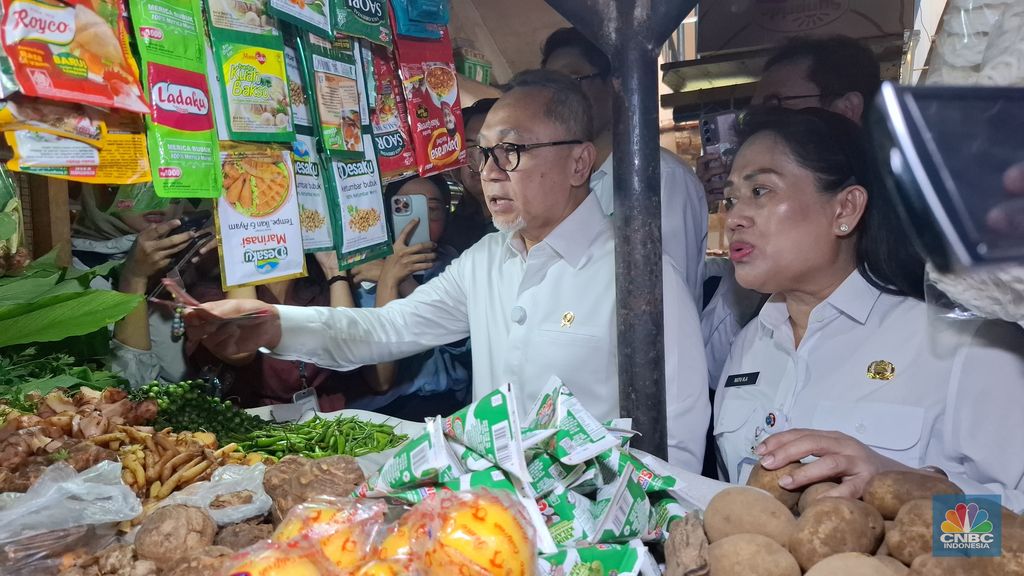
(51, 218)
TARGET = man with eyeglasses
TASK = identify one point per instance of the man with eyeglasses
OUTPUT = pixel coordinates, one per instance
(536, 298)
(684, 214)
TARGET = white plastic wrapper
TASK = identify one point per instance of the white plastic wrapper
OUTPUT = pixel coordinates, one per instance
(988, 293)
(226, 480)
(979, 42)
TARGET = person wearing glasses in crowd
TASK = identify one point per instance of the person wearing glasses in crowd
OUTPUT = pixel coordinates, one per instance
(436, 381)
(537, 298)
(471, 220)
(684, 213)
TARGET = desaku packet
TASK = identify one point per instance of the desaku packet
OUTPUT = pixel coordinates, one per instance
(337, 94)
(427, 70)
(314, 209)
(75, 51)
(182, 135)
(356, 196)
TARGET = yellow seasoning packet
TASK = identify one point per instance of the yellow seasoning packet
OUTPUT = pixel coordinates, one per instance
(122, 161)
(62, 119)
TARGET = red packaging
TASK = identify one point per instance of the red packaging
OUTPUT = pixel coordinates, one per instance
(390, 119)
(427, 70)
(76, 51)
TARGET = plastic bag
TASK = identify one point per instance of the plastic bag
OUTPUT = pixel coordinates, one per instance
(63, 511)
(272, 559)
(341, 532)
(226, 480)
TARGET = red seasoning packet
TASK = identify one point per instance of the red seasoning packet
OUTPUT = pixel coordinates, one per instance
(390, 119)
(76, 51)
(427, 70)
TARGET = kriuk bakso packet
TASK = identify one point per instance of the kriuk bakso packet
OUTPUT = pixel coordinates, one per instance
(75, 51)
(427, 70)
(181, 133)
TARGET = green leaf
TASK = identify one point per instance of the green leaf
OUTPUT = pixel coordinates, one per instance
(46, 262)
(58, 317)
(8, 225)
(47, 385)
(27, 289)
(88, 275)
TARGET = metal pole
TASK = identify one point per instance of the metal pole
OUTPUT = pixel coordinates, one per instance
(632, 32)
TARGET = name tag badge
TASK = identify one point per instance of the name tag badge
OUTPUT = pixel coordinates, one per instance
(737, 380)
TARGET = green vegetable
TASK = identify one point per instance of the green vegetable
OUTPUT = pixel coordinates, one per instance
(190, 406)
(30, 371)
(321, 437)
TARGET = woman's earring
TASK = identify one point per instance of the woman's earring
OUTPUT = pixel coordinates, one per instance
(844, 228)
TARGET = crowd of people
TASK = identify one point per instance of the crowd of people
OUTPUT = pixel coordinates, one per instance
(816, 343)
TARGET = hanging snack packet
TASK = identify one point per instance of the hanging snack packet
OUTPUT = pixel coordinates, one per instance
(623, 510)
(420, 18)
(339, 102)
(579, 435)
(75, 51)
(390, 118)
(358, 200)
(367, 19)
(618, 459)
(569, 516)
(249, 17)
(254, 90)
(599, 560)
(296, 85)
(182, 136)
(8, 83)
(314, 211)
(490, 427)
(427, 70)
(258, 217)
(71, 121)
(307, 15)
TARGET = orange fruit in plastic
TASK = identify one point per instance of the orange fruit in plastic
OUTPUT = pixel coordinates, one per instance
(480, 536)
(296, 525)
(348, 547)
(381, 568)
(397, 544)
(274, 564)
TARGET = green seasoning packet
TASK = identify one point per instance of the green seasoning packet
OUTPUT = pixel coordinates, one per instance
(490, 427)
(250, 61)
(297, 87)
(570, 517)
(470, 460)
(363, 18)
(617, 459)
(599, 560)
(548, 474)
(337, 96)
(182, 138)
(580, 436)
(309, 15)
(314, 211)
(663, 513)
(623, 510)
(420, 461)
(357, 199)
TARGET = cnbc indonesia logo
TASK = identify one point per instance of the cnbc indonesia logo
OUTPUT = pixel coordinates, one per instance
(966, 526)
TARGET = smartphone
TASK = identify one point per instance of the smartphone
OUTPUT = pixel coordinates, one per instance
(192, 221)
(942, 153)
(403, 210)
(718, 134)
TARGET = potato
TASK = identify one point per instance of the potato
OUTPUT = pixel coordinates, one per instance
(896, 567)
(812, 493)
(912, 534)
(745, 554)
(833, 526)
(686, 550)
(889, 491)
(1013, 533)
(928, 565)
(848, 564)
(768, 480)
(746, 510)
(883, 549)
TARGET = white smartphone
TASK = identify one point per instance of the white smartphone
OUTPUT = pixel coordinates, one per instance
(403, 210)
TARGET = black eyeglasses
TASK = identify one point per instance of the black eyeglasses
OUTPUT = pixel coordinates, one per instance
(505, 154)
(580, 79)
(776, 101)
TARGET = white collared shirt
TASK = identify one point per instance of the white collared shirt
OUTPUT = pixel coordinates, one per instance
(954, 402)
(531, 315)
(684, 215)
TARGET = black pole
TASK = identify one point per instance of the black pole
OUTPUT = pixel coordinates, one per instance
(632, 32)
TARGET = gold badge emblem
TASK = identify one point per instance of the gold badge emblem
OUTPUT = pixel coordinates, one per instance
(567, 319)
(881, 370)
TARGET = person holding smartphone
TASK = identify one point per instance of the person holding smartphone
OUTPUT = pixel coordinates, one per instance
(134, 225)
(436, 381)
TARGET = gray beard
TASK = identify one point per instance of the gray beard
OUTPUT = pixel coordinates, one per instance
(514, 226)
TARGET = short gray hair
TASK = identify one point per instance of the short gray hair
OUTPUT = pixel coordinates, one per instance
(567, 106)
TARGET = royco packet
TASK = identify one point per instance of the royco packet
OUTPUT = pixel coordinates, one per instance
(122, 160)
(357, 196)
(367, 19)
(600, 560)
(72, 121)
(76, 51)
(389, 118)
(427, 70)
(580, 436)
(314, 211)
(490, 427)
(308, 15)
(182, 135)
(257, 217)
(623, 509)
(339, 100)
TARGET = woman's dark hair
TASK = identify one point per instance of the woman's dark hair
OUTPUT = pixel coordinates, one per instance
(437, 180)
(479, 108)
(834, 149)
(573, 38)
